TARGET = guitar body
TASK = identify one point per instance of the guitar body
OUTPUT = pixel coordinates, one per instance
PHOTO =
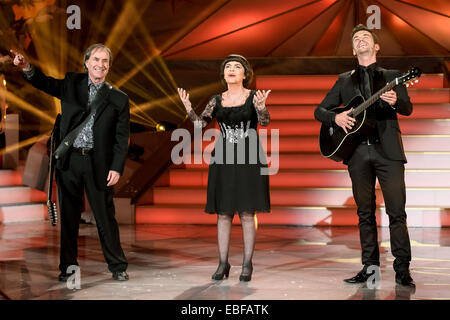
(338, 145)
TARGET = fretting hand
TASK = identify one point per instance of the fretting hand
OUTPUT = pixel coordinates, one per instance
(20, 61)
(390, 97)
(184, 96)
(259, 99)
(344, 121)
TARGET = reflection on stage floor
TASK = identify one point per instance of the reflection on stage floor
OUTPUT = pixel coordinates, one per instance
(169, 262)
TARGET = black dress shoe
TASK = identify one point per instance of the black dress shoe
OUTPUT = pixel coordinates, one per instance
(63, 277)
(120, 276)
(404, 279)
(361, 277)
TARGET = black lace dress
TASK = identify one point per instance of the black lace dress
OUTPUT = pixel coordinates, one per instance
(237, 177)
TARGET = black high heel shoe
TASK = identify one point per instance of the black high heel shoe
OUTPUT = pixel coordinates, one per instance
(246, 275)
(220, 275)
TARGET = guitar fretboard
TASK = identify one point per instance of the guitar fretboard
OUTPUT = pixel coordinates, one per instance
(363, 106)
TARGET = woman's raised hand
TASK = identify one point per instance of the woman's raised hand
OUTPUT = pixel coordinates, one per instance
(184, 96)
(259, 99)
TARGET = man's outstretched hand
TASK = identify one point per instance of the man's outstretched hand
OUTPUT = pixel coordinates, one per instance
(20, 61)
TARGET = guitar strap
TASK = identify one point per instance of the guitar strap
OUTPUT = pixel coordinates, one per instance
(97, 106)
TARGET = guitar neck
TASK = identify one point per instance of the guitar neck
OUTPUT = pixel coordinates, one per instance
(51, 168)
(363, 106)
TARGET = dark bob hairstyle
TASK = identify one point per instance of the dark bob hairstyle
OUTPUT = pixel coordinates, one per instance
(238, 58)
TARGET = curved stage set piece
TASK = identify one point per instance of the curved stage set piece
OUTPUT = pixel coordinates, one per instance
(310, 241)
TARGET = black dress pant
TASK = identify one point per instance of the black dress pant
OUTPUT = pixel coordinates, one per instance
(71, 185)
(366, 164)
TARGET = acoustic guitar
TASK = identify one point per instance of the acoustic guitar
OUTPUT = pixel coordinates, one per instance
(338, 145)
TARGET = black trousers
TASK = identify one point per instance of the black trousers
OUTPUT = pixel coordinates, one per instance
(366, 164)
(71, 184)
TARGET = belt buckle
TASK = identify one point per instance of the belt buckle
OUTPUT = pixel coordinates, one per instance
(85, 151)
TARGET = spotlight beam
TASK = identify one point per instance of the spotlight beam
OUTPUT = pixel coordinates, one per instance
(28, 107)
(24, 143)
(211, 9)
(166, 100)
(125, 24)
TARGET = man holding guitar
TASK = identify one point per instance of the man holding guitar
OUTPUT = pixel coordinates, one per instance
(373, 150)
(94, 133)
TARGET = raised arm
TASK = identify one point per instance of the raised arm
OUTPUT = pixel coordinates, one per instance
(259, 101)
(207, 114)
(39, 80)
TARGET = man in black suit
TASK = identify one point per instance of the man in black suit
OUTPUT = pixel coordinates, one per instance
(96, 157)
(379, 155)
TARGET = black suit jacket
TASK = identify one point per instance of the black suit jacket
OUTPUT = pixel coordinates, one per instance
(347, 87)
(111, 125)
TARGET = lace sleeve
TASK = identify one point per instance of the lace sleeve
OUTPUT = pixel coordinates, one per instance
(263, 116)
(206, 116)
(262, 113)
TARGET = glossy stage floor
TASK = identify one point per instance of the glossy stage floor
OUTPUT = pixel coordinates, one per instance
(175, 262)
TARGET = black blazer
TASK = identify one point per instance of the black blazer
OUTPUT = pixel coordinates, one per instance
(347, 87)
(111, 125)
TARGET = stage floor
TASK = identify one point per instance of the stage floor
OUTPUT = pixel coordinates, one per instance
(168, 262)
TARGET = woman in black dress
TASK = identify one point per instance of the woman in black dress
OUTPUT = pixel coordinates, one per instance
(237, 179)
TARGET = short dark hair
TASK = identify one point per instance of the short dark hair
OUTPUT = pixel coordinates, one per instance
(247, 68)
(361, 27)
(96, 46)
